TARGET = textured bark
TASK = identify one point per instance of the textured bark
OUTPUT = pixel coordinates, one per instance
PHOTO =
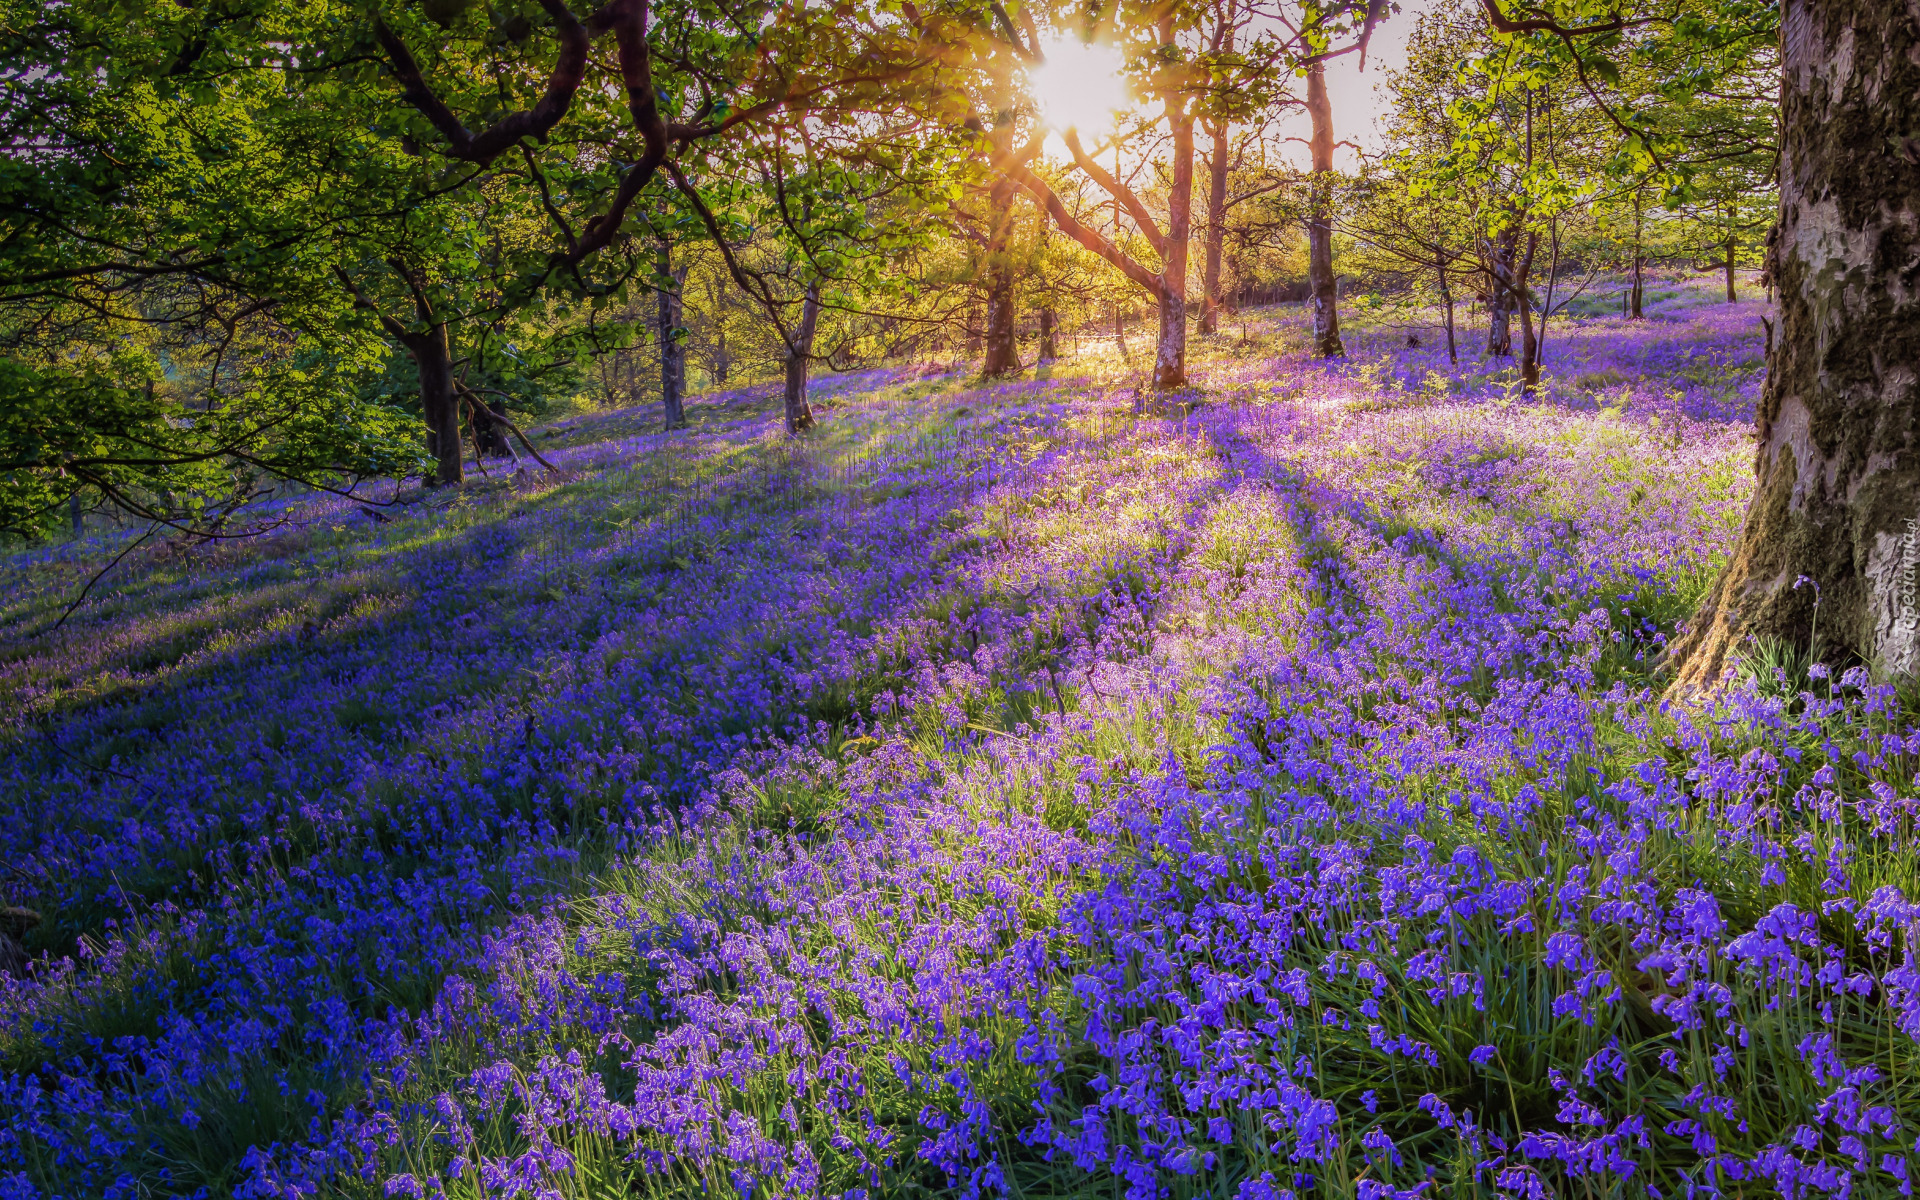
(1170, 355)
(433, 359)
(1216, 227)
(1499, 325)
(1499, 303)
(1002, 353)
(673, 351)
(799, 356)
(1326, 298)
(1731, 245)
(1838, 461)
(1049, 346)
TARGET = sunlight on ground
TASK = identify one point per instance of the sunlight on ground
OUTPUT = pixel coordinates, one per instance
(1020, 781)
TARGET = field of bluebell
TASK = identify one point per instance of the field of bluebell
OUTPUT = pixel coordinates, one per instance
(1031, 789)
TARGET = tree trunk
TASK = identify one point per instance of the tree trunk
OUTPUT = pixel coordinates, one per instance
(433, 358)
(799, 415)
(1731, 244)
(1499, 260)
(1446, 301)
(1003, 353)
(1499, 326)
(1838, 462)
(1119, 331)
(673, 351)
(1522, 301)
(1216, 227)
(1170, 354)
(1326, 300)
(1638, 291)
(1049, 349)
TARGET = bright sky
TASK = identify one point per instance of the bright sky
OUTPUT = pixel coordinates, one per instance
(1357, 106)
(1080, 85)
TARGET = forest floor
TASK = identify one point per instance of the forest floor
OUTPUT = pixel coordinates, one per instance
(1037, 788)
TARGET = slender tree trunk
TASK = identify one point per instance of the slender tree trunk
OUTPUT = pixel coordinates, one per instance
(1120, 331)
(1216, 226)
(673, 351)
(76, 515)
(1837, 501)
(1731, 244)
(1170, 354)
(433, 358)
(1446, 301)
(799, 355)
(1553, 283)
(1326, 299)
(1048, 347)
(1522, 302)
(1638, 292)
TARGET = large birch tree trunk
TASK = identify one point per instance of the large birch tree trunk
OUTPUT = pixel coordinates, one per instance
(1838, 461)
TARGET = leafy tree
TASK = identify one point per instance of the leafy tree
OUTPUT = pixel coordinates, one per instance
(157, 178)
(1827, 556)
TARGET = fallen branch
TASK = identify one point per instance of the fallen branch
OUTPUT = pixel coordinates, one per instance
(474, 395)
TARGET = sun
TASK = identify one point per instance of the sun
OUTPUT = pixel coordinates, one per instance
(1080, 86)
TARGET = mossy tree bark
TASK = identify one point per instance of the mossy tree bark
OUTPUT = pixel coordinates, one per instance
(1838, 461)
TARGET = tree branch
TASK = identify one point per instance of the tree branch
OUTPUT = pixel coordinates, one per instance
(1037, 188)
(483, 147)
(1119, 191)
